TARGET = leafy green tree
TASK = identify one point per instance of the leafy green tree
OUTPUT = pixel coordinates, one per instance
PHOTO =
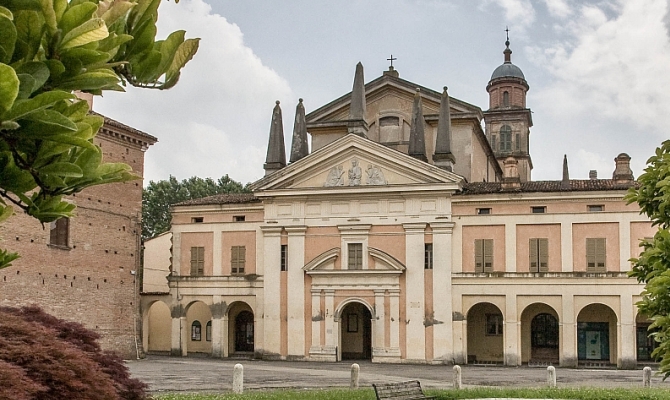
(159, 196)
(50, 49)
(652, 267)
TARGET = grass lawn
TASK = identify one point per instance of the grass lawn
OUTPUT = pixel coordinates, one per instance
(368, 394)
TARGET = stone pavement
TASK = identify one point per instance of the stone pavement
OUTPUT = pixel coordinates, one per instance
(175, 374)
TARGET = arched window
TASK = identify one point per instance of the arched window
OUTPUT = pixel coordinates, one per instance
(196, 330)
(505, 138)
(505, 98)
(208, 331)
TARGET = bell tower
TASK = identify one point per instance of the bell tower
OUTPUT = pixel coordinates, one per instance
(508, 120)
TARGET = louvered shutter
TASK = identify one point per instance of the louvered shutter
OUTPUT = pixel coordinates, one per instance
(488, 255)
(479, 255)
(543, 256)
(532, 255)
(600, 254)
(590, 254)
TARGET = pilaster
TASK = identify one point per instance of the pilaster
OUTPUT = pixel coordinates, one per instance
(443, 337)
(271, 306)
(415, 337)
(296, 291)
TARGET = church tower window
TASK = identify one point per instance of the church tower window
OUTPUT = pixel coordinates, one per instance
(506, 138)
(505, 98)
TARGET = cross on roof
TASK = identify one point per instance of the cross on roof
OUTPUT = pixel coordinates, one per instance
(507, 31)
(391, 59)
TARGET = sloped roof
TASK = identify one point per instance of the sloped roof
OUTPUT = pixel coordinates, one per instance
(575, 185)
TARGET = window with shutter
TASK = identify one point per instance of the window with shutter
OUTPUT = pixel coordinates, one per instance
(595, 254)
(538, 251)
(483, 255)
(59, 232)
(355, 252)
(197, 261)
(505, 138)
(428, 256)
(283, 263)
(237, 259)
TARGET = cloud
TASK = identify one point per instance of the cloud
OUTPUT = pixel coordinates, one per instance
(519, 13)
(216, 120)
(558, 8)
(609, 79)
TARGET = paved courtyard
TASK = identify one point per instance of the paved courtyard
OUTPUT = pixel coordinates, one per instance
(174, 374)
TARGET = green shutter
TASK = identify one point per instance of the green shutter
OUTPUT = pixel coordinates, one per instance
(590, 254)
(532, 255)
(600, 254)
(479, 255)
(488, 255)
(543, 247)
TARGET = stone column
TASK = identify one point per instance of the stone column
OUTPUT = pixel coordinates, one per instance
(443, 333)
(185, 331)
(217, 266)
(379, 322)
(218, 309)
(415, 337)
(627, 355)
(331, 335)
(272, 300)
(317, 317)
(510, 247)
(568, 339)
(225, 338)
(512, 338)
(296, 291)
(176, 337)
(624, 244)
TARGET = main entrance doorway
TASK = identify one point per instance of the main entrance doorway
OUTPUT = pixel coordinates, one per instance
(544, 338)
(244, 332)
(356, 332)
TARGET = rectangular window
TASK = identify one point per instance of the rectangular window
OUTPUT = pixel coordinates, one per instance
(538, 210)
(197, 220)
(483, 211)
(355, 251)
(197, 261)
(428, 256)
(483, 255)
(60, 232)
(239, 218)
(208, 331)
(538, 250)
(518, 141)
(196, 331)
(494, 325)
(596, 208)
(237, 259)
(595, 254)
(284, 258)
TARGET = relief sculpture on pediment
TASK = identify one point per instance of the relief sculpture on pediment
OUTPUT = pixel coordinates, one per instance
(335, 177)
(355, 173)
(375, 175)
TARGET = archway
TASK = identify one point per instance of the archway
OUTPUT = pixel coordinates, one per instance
(241, 332)
(158, 328)
(539, 335)
(485, 334)
(644, 343)
(198, 315)
(356, 332)
(597, 335)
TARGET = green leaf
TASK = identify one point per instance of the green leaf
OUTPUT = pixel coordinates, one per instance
(62, 169)
(143, 11)
(53, 118)
(168, 48)
(29, 28)
(98, 79)
(118, 10)
(88, 58)
(88, 32)
(49, 14)
(72, 140)
(8, 37)
(143, 40)
(37, 103)
(6, 258)
(76, 16)
(27, 82)
(13, 178)
(56, 68)
(6, 12)
(38, 70)
(113, 41)
(9, 87)
(59, 8)
(5, 212)
(183, 55)
(145, 69)
(25, 5)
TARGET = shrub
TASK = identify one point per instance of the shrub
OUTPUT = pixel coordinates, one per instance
(43, 357)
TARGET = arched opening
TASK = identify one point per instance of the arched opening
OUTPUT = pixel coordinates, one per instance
(539, 335)
(597, 335)
(505, 98)
(644, 342)
(241, 332)
(198, 315)
(356, 332)
(158, 329)
(485, 334)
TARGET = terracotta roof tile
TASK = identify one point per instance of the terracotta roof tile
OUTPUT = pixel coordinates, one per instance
(232, 198)
(547, 186)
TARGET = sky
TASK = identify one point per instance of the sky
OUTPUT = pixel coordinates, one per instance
(598, 70)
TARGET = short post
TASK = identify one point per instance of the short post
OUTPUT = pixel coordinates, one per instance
(551, 376)
(238, 379)
(646, 377)
(355, 369)
(458, 384)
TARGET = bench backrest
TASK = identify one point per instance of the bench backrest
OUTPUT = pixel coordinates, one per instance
(399, 391)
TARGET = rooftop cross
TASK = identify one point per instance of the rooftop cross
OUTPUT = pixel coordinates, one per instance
(507, 32)
(391, 60)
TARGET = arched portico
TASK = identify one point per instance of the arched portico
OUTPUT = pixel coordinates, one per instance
(241, 329)
(485, 329)
(644, 343)
(156, 328)
(540, 335)
(355, 341)
(198, 326)
(597, 335)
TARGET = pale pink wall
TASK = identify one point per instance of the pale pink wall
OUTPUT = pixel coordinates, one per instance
(525, 232)
(390, 239)
(319, 240)
(607, 230)
(224, 216)
(196, 239)
(247, 239)
(495, 232)
(553, 207)
(639, 231)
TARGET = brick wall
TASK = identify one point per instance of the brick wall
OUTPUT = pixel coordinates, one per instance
(93, 281)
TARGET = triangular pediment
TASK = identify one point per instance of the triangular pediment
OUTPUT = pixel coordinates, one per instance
(396, 93)
(325, 263)
(356, 163)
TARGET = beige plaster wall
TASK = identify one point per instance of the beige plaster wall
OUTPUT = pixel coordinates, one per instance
(221, 216)
(160, 327)
(321, 239)
(523, 235)
(495, 232)
(196, 239)
(156, 266)
(200, 312)
(390, 239)
(639, 231)
(230, 239)
(480, 345)
(607, 230)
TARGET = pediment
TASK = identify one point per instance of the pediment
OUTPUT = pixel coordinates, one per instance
(383, 263)
(356, 163)
(386, 93)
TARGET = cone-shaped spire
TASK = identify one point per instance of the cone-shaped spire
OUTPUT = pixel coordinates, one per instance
(276, 157)
(443, 157)
(299, 147)
(565, 180)
(357, 107)
(417, 144)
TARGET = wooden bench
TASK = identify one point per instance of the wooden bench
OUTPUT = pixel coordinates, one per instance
(400, 391)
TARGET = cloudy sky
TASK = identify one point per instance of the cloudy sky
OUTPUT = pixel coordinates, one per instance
(599, 74)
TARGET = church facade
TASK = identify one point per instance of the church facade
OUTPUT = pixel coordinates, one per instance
(411, 233)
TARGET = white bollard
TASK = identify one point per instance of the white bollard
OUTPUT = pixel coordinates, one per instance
(355, 369)
(646, 377)
(238, 379)
(551, 376)
(458, 384)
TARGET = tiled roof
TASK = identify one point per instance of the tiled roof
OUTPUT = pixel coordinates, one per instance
(547, 186)
(234, 198)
